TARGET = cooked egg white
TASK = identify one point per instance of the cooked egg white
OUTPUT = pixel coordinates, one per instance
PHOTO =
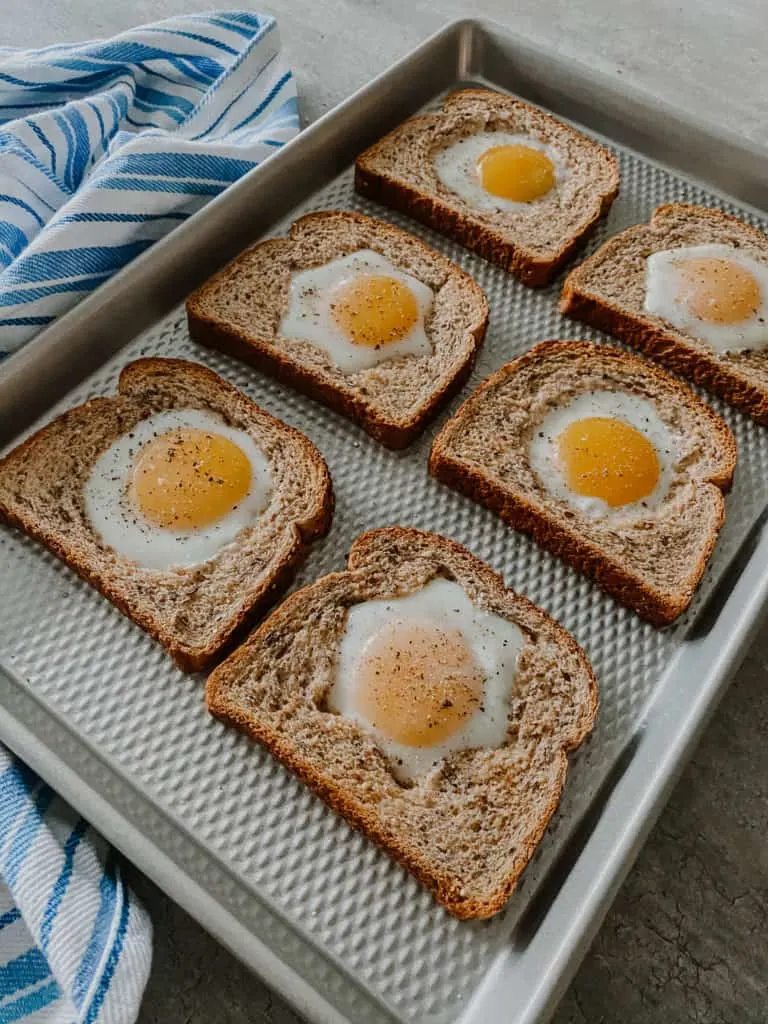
(360, 310)
(426, 675)
(716, 293)
(500, 170)
(606, 453)
(176, 489)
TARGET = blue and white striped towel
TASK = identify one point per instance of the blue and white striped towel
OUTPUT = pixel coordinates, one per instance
(105, 146)
(75, 944)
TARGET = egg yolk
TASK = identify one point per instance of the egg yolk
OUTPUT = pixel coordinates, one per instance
(374, 309)
(608, 459)
(516, 172)
(717, 290)
(188, 478)
(418, 683)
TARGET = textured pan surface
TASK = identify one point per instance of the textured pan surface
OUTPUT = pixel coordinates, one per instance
(125, 696)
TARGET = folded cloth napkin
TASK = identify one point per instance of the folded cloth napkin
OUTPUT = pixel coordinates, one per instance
(75, 944)
(105, 146)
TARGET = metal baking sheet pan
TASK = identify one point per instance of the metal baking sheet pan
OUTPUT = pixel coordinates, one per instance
(101, 712)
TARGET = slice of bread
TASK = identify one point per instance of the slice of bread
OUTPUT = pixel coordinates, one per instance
(240, 310)
(533, 242)
(194, 612)
(608, 291)
(650, 561)
(469, 827)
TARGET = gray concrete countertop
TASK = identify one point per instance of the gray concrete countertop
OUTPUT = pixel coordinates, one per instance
(687, 939)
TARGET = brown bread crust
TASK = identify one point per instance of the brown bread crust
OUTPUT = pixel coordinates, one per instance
(373, 181)
(568, 542)
(137, 378)
(209, 329)
(379, 554)
(652, 336)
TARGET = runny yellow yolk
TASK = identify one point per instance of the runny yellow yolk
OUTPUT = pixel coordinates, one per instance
(608, 459)
(418, 683)
(374, 309)
(516, 172)
(717, 290)
(188, 478)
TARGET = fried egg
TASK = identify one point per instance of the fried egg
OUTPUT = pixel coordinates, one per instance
(500, 170)
(360, 309)
(176, 489)
(606, 453)
(426, 675)
(714, 292)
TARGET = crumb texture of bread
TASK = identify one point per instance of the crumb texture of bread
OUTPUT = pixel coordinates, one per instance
(470, 826)
(240, 309)
(652, 564)
(533, 242)
(607, 291)
(194, 612)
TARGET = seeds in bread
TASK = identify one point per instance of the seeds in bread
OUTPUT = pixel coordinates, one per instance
(194, 612)
(607, 291)
(532, 242)
(651, 562)
(240, 309)
(468, 828)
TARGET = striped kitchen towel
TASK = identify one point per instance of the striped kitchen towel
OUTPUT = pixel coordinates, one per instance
(105, 146)
(75, 944)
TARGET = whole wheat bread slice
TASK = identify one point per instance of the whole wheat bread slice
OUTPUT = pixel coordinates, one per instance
(534, 243)
(194, 612)
(608, 291)
(652, 565)
(468, 829)
(240, 309)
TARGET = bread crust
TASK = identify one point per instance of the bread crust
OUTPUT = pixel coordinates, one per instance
(446, 888)
(208, 330)
(663, 343)
(190, 658)
(651, 604)
(375, 183)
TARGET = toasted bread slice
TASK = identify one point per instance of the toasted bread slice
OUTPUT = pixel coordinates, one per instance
(651, 560)
(240, 310)
(608, 291)
(469, 827)
(532, 241)
(194, 612)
